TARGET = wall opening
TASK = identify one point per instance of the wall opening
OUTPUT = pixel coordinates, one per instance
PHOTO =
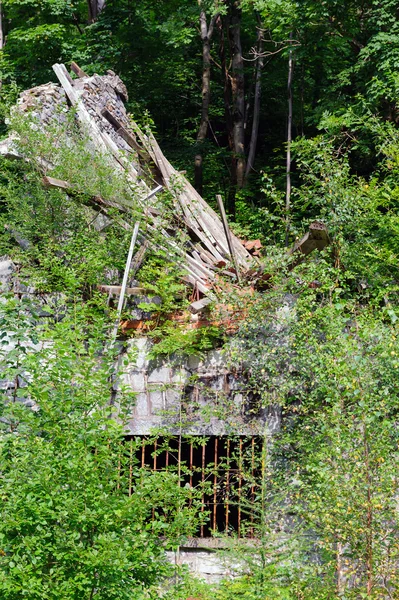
(226, 471)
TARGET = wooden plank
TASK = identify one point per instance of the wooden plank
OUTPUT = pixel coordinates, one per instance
(130, 140)
(110, 118)
(77, 70)
(228, 235)
(200, 266)
(199, 305)
(65, 80)
(52, 182)
(316, 238)
(115, 290)
(128, 137)
(124, 282)
(138, 258)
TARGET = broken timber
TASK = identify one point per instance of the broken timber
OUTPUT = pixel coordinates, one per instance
(98, 103)
(110, 131)
(316, 238)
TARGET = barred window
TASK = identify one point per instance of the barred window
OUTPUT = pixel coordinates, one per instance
(226, 471)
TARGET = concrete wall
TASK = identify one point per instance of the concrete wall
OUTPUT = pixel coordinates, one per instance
(197, 396)
(209, 559)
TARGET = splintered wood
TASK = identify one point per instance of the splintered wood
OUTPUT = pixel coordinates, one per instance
(193, 235)
(208, 247)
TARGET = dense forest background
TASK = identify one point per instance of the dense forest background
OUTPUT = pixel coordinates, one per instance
(289, 109)
(212, 79)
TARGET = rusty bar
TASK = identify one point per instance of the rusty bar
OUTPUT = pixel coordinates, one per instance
(143, 453)
(191, 464)
(191, 470)
(154, 468)
(239, 489)
(252, 488)
(203, 483)
(131, 468)
(227, 486)
(215, 480)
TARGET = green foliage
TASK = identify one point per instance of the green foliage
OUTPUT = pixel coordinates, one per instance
(321, 341)
(171, 340)
(76, 521)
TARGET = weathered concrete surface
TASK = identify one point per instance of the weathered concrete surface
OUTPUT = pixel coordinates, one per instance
(7, 269)
(196, 396)
(211, 559)
(206, 564)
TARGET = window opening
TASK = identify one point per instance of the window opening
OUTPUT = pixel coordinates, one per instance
(227, 472)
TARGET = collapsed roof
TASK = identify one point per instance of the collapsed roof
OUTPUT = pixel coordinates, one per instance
(99, 106)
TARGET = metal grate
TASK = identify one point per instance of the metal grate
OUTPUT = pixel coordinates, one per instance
(226, 473)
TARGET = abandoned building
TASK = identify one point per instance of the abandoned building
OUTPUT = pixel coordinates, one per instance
(192, 415)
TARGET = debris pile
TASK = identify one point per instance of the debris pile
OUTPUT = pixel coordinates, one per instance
(99, 106)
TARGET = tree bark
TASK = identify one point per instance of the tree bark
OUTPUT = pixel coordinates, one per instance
(1, 27)
(95, 7)
(289, 139)
(223, 24)
(206, 36)
(257, 96)
(238, 95)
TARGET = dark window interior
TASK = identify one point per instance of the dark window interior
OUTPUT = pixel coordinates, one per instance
(225, 471)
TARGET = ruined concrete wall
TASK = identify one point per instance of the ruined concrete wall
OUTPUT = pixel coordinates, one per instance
(47, 105)
(205, 564)
(193, 395)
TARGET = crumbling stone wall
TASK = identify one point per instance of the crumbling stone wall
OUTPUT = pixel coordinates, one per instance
(48, 104)
(193, 395)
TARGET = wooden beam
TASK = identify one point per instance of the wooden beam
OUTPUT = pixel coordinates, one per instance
(96, 202)
(52, 182)
(77, 70)
(316, 238)
(110, 118)
(228, 235)
(199, 305)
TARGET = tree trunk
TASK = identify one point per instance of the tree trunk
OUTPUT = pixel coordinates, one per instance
(223, 25)
(258, 90)
(1, 27)
(238, 96)
(95, 7)
(289, 139)
(206, 36)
